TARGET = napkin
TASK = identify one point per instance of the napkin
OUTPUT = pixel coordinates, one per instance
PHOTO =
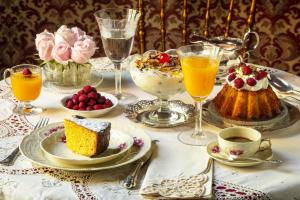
(176, 170)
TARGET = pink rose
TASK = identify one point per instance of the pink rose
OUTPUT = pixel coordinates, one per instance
(83, 50)
(61, 53)
(44, 43)
(78, 32)
(64, 34)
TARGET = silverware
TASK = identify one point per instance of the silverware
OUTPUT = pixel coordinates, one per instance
(281, 85)
(130, 181)
(232, 158)
(10, 159)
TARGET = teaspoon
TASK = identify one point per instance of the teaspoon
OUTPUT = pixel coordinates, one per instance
(281, 85)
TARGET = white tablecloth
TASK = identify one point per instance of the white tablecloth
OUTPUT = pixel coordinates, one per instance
(23, 181)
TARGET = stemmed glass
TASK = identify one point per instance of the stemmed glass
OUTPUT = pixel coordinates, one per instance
(26, 84)
(117, 28)
(199, 64)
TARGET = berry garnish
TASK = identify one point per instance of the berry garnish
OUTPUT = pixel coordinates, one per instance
(164, 57)
(92, 102)
(242, 65)
(231, 70)
(231, 77)
(98, 107)
(246, 70)
(251, 81)
(260, 75)
(238, 83)
(27, 72)
(92, 95)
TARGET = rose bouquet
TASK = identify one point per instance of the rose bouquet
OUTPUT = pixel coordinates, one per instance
(66, 55)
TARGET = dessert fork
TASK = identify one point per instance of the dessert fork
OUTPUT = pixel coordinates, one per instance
(10, 159)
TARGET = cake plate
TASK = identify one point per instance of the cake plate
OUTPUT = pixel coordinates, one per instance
(141, 112)
(30, 148)
(289, 115)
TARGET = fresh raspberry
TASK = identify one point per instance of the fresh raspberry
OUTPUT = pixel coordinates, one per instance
(26, 72)
(92, 95)
(238, 83)
(81, 105)
(164, 57)
(92, 102)
(82, 109)
(260, 75)
(75, 99)
(242, 65)
(251, 81)
(76, 107)
(69, 104)
(231, 77)
(101, 100)
(98, 95)
(87, 88)
(89, 108)
(246, 70)
(231, 70)
(83, 98)
(263, 74)
(108, 103)
(80, 92)
(98, 107)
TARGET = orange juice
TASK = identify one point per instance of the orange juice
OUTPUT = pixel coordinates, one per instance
(199, 74)
(26, 88)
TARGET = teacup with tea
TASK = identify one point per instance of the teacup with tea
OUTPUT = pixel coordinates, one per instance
(242, 142)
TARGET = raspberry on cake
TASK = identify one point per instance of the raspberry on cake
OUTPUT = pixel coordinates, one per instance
(87, 137)
(247, 95)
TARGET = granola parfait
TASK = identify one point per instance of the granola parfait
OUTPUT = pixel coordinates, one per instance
(159, 74)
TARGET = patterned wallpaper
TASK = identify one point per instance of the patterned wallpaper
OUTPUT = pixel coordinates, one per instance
(276, 21)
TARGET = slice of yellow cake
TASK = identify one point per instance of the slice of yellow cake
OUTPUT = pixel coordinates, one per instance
(87, 137)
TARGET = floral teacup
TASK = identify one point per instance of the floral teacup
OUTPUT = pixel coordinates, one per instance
(241, 142)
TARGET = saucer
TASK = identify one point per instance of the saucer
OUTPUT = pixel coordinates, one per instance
(140, 112)
(55, 149)
(216, 153)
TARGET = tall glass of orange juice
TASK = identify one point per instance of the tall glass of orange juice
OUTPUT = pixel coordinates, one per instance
(199, 64)
(26, 84)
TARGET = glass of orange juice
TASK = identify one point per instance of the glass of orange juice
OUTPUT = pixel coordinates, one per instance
(26, 84)
(200, 63)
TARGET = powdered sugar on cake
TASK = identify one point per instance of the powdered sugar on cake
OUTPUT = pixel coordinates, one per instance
(247, 77)
(91, 124)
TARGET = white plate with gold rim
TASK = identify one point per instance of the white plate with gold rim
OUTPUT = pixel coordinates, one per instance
(216, 153)
(56, 150)
(30, 148)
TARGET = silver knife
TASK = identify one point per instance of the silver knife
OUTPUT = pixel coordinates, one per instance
(130, 181)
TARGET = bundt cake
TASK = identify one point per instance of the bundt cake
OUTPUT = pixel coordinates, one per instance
(87, 137)
(247, 95)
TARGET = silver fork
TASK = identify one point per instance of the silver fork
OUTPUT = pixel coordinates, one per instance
(10, 159)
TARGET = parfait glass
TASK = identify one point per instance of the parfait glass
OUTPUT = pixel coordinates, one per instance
(117, 28)
(199, 64)
(26, 84)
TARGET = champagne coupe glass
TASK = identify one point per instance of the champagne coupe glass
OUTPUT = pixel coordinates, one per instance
(199, 64)
(117, 28)
(26, 84)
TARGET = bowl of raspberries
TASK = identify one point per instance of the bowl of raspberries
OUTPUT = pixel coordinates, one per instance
(88, 102)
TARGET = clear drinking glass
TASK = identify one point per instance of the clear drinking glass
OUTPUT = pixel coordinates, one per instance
(199, 64)
(117, 28)
(26, 84)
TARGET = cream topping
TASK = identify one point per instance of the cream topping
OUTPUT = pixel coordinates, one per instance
(91, 124)
(260, 84)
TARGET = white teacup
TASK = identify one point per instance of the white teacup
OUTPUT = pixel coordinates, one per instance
(241, 142)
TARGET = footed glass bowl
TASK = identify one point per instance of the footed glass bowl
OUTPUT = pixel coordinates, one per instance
(163, 85)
